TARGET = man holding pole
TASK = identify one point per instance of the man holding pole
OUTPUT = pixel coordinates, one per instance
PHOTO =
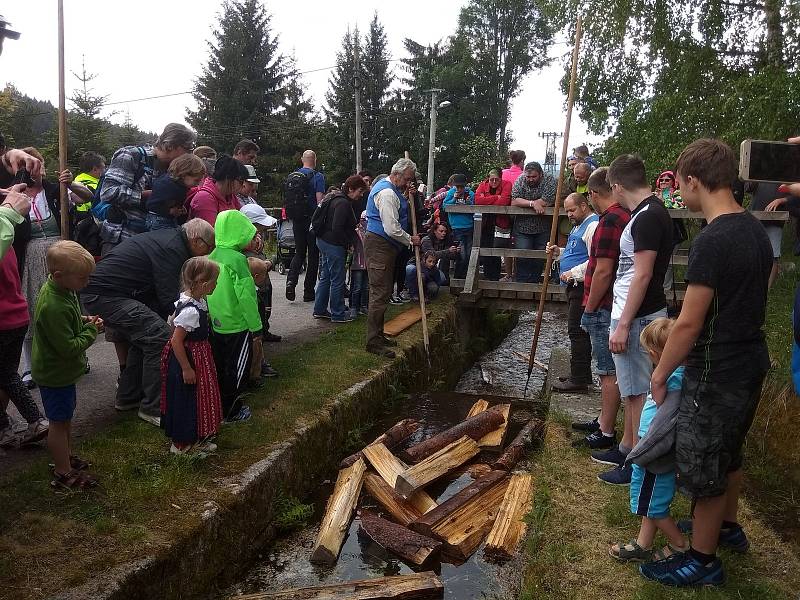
(387, 234)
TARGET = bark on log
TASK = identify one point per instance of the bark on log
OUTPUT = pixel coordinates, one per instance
(436, 465)
(475, 427)
(389, 467)
(408, 545)
(495, 438)
(390, 438)
(393, 503)
(509, 526)
(417, 586)
(427, 522)
(533, 429)
(338, 513)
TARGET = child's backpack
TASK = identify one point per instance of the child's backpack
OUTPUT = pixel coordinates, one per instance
(297, 193)
(100, 207)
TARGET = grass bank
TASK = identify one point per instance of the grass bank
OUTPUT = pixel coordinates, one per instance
(575, 518)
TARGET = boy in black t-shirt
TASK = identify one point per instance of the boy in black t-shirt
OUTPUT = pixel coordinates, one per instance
(719, 337)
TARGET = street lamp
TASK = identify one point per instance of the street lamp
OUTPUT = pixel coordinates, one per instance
(432, 139)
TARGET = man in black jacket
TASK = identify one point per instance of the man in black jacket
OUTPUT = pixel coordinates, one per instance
(134, 289)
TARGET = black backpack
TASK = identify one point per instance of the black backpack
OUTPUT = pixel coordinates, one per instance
(322, 212)
(296, 194)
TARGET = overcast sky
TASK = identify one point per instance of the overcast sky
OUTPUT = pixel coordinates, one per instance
(149, 48)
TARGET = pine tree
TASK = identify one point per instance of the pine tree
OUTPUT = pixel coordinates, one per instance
(378, 79)
(87, 131)
(242, 85)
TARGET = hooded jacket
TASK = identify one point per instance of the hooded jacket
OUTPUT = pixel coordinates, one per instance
(233, 305)
(206, 202)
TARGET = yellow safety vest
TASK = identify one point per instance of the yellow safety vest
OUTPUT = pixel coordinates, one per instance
(91, 183)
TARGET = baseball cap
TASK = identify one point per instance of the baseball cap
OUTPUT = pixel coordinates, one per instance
(251, 174)
(258, 215)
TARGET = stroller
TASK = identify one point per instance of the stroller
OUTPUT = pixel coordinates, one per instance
(286, 246)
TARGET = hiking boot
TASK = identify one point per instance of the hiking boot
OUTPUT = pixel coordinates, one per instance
(271, 337)
(597, 441)
(611, 457)
(618, 476)
(732, 538)
(388, 341)
(268, 371)
(153, 420)
(684, 570)
(381, 350)
(36, 432)
(290, 292)
(243, 415)
(589, 426)
(569, 386)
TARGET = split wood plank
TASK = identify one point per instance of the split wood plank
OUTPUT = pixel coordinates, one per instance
(533, 429)
(479, 406)
(417, 586)
(437, 464)
(403, 321)
(393, 503)
(338, 513)
(495, 438)
(392, 437)
(410, 546)
(389, 467)
(475, 427)
(509, 526)
(427, 522)
(464, 530)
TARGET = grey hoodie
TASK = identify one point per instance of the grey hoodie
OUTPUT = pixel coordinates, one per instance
(656, 450)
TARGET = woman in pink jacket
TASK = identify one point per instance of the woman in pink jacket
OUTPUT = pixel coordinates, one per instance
(218, 192)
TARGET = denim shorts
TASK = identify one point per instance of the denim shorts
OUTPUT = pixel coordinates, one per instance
(58, 402)
(596, 324)
(634, 367)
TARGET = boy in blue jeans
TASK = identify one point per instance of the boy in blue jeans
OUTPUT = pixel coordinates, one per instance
(61, 337)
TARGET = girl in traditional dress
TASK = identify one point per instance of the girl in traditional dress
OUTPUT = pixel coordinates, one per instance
(190, 401)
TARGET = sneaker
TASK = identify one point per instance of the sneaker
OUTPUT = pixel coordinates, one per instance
(611, 457)
(732, 538)
(618, 476)
(347, 318)
(363, 311)
(405, 296)
(36, 432)
(243, 415)
(325, 315)
(290, 293)
(129, 406)
(8, 439)
(596, 441)
(683, 570)
(381, 351)
(28, 381)
(268, 371)
(271, 337)
(308, 298)
(153, 420)
(589, 426)
(395, 300)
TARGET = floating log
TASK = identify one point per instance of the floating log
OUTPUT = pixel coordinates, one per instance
(427, 522)
(463, 531)
(393, 503)
(440, 463)
(390, 438)
(514, 452)
(480, 406)
(475, 427)
(509, 526)
(417, 586)
(389, 467)
(408, 545)
(340, 509)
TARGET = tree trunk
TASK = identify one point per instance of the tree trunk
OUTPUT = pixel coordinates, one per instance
(390, 438)
(408, 545)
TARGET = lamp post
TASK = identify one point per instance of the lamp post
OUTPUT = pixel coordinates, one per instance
(432, 138)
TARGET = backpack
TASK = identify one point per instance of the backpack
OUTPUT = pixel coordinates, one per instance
(320, 216)
(296, 194)
(100, 207)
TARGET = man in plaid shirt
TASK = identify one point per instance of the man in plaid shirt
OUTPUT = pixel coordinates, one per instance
(536, 190)
(597, 300)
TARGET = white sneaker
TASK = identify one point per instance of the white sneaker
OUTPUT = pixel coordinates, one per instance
(150, 419)
(36, 432)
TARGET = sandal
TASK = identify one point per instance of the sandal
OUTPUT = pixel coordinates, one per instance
(630, 552)
(76, 462)
(668, 551)
(74, 480)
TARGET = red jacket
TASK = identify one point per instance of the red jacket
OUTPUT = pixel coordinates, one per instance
(13, 306)
(206, 202)
(500, 197)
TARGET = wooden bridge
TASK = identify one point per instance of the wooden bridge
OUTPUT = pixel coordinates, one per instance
(474, 290)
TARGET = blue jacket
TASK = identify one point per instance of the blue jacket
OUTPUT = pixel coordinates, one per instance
(459, 220)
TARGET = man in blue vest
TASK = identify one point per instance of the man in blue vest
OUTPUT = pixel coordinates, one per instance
(387, 234)
(574, 259)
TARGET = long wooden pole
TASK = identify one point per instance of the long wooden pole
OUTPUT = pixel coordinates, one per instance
(412, 208)
(62, 124)
(557, 207)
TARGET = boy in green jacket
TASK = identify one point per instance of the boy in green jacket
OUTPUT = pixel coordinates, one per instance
(60, 339)
(233, 307)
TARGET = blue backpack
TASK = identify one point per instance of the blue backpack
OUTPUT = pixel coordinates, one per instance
(100, 207)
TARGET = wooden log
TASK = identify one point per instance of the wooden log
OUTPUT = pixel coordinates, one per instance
(393, 503)
(477, 408)
(437, 464)
(464, 530)
(389, 467)
(495, 438)
(408, 545)
(519, 446)
(338, 513)
(509, 526)
(390, 438)
(417, 586)
(427, 522)
(475, 427)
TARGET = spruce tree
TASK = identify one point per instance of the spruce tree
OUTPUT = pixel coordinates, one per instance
(378, 78)
(87, 131)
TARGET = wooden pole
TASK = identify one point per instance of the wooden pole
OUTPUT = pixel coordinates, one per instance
(62, 124)
(412, 208)
(557, 207)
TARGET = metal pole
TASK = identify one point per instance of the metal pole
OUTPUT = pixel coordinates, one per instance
(357, 80)
(62, 123)
(432, 138)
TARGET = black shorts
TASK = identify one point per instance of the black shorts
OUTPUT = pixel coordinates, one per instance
(713, 421)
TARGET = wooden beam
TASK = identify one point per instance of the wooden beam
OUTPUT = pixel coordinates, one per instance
(392, 437)
(410, 546)
(485, 284)
(513, 252)
(393, 503)
(473, 273)
(436, 465)
(475, 427)
(495, 438)
(509, 526)
(403, 321)
(519, 446)
(675, 213)
(338, 513)
(417, 586)
(389, 467)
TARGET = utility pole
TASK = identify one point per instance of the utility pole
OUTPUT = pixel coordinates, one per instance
(357, 81)
(432, 138)
(550, 150)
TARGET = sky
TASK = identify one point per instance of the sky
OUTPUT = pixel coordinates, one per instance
(160, 47)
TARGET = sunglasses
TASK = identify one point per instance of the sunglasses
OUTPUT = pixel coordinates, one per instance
(665, 179)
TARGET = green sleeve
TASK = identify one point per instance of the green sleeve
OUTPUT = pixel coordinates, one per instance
(245, 290)
(63, 339)
(9, 218)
